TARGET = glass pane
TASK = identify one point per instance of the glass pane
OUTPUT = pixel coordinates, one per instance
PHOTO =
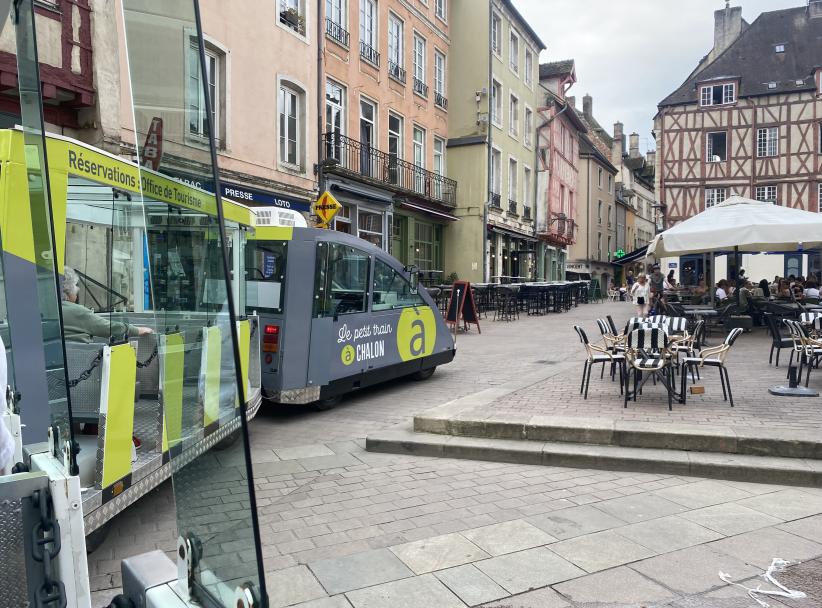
(391, 289)
(190, 253)
(39, 330)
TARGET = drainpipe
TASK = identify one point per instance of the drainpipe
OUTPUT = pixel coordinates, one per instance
(320, 97)
(486, 274)
(588, 216)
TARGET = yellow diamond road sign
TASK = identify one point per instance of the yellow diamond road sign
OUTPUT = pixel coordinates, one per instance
(326, 207)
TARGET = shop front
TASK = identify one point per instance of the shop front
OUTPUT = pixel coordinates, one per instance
(512, 256)
(366, 211)
(417, 239)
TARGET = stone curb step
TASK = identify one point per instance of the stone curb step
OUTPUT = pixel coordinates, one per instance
(629, 434)
(762, 469)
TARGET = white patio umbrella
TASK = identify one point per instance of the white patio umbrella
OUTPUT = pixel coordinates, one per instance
(741, 224)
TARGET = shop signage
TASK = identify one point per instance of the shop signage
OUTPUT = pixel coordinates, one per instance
(619, 253)
(244, 195)
(152, 151)
(326, 207)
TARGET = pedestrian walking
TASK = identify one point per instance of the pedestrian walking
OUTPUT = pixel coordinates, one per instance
(641, 293)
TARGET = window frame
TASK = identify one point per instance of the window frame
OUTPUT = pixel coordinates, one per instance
(400, 135)
(373, 41)
(528, 76)
(528, 127)
(715, 195)
(394, 19)
(767, 147)
(727, 94)
(496, 34)
(765, 189)
(496, 102)
(513, 179)
(343, 5)
(439, 154)
(440, 79)
(496, 170)
(709, 147)
(220, 55)
(514, 40)
(513, 114)
(527, 184)
(419, 67)
(281, 136)
(441, 10)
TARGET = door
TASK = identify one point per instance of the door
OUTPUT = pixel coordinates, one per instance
(367, 137)
(793, 264)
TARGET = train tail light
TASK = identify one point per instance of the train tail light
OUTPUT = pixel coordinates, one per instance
(271, 339)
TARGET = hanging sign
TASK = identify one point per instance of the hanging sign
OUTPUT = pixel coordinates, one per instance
(326, 207)
(152, 151)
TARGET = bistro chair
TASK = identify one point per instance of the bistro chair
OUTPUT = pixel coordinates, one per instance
(647, 353)
(594, 354)
(688, 344)
(713, 356)
(611, 340)
(778, 339)
(808, 349)
(507, 308)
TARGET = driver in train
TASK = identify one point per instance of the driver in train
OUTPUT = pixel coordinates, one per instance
(80, 324)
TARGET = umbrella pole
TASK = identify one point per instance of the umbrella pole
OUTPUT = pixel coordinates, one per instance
(712, 288)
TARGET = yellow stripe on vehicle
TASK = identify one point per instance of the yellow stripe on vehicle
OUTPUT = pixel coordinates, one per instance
(272, 233)
(172, 354)
(210, 368)
(119, 377)
(244, 337)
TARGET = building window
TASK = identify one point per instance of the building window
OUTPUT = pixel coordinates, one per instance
(529, 68)
(714, 196)
(395, 46)
(599, 212)
(496, 34)
(342, 221)
(496, 103)
(779, 48)
(419, 158)
(425, 249)
(599, 245)
(439, 9)
(395, 145)
(197, 117)
(718, 94)
(717, 145)
(766, 193)
(529, 127)
(289, 106)
(767, 141)
(419, 66)
(513, 115)
(496, 171)
(439, 164)
(368, 31)
(526, 186)
(439, 80)
(369, 227)
(292, 15)
(610, 184)
(513, 185)
(599, 178)
(335, 21)
(334, 118)
(513, 52)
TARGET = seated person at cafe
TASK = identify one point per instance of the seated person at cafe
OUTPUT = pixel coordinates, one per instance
(765, 287)
(812, 290)
(721, 290)
(700, 293)
(798, 288)
(783, 289)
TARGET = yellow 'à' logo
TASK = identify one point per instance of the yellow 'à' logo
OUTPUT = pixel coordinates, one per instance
(416, 333)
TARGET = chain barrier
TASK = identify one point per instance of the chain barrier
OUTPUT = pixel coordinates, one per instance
(148, 361)
(87, 372)
(45, 546)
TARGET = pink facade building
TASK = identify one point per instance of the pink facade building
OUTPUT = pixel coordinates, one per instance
(557, 166)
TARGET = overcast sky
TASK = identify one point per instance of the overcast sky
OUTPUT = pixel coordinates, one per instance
(630, 54)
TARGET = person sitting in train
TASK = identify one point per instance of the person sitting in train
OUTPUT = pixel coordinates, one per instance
(80, 324)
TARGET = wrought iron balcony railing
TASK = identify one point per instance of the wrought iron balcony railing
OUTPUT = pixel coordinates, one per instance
(369, 53)
(512, 206)
(336, 32)
(494, 200)
(385, 169)
(440, 100)
(420, 87)
(396, 72)
(526, 213)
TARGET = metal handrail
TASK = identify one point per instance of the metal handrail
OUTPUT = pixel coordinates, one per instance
(440, 100)
(386, 169)
(494, 200)
(336, 32)
(369, 53)
(420, 87)
(512, 206)
(396, 71)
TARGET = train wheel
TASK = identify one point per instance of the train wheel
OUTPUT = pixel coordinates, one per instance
(424, 374)
(328, 403)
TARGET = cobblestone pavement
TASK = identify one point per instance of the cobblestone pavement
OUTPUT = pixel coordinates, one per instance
(342, 527)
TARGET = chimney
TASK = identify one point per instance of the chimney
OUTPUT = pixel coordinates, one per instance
(633, 147)
(727, 28)
(588, 106)
(572, 101)
(650, 158)
(618, 145)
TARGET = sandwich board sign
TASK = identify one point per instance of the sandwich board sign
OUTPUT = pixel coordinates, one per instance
(326, 208)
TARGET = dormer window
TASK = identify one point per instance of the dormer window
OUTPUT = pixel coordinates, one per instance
(717, 94)
(771, 85)
(779, 48)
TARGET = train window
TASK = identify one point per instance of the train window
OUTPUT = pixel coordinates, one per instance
(392, 289)
(265, 275)
(341, 280)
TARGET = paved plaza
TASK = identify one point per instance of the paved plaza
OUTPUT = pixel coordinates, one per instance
(347, 528)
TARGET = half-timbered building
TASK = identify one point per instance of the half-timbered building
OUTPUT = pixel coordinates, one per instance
(747, 120)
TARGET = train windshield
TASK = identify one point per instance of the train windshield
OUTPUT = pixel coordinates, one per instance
(265, 265)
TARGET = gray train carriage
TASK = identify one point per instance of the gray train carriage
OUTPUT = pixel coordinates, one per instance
(337, 314)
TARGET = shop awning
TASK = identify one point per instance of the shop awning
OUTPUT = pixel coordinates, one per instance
(514, 233)
(440, 214)
(362, 191)
(637, 254)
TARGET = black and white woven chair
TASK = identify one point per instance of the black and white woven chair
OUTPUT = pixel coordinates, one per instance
(807, 348)
(713, 356)
(656, 319)
(594, 353)
(647, 353)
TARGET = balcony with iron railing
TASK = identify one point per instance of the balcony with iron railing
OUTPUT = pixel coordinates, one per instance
(494, 200)
(512, 206)
(370, 54)
(336, 32)
(440, 100)
(396, 72)
(341, 154)
(526, 213)
(420, 88)
(560, 229)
